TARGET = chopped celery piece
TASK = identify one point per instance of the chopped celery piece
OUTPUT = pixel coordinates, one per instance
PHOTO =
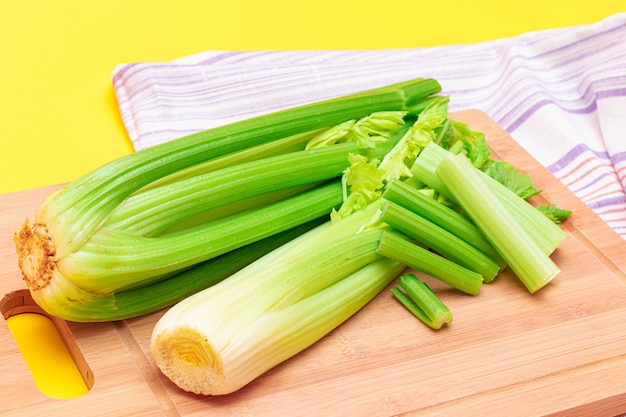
(454, 222)
(438, 239)
(527, 260)
(419, 299)
(541, 229)
(395, 247)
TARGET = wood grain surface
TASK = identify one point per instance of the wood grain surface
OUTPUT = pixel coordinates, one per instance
(559, 352)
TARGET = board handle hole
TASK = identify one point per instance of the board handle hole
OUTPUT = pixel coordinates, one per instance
(48, 347)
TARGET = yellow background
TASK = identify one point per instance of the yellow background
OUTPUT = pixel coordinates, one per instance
(58, 116)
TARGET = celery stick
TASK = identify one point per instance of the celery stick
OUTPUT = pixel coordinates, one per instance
(104, 265)
(422, 302)
(216, 214)
(527, 260)
(72, 213)
(454, 222)
(541, 229)
(281, 146)
(412, 307)
(150, 212)
(174, 288)
(393, 246)
(439, 239)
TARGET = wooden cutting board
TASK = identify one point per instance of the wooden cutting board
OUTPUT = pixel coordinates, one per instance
(561, 351)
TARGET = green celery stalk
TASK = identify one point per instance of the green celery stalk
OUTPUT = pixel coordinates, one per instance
(288, 144)
(541, 229)
(523, 255)
(75, 211)
(439, 239)
(419, 299)
(85, 285)
(153, 211)
(179, 285)
(454, 222)
(399, 248)
(114, 260)
(218, 213)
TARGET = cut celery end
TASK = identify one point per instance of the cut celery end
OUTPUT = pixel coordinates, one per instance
(393, 246)
(527, 260)
(419, 299)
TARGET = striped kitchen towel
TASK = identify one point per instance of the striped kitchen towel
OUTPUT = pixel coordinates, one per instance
(560, 93)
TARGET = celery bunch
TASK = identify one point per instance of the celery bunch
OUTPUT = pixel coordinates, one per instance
(148, 219)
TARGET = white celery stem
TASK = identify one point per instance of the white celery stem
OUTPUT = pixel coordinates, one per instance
(193, 360)
(220, 339)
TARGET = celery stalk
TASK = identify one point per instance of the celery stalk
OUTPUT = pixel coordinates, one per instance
(218, 213)
(114, 260)
(103, 268)
(288, 144)
(220, 339)
(541, 229)
(71, 214)
(398, 248)
(419, 299)
(454, 222)
(527, 259)
(150, 212)
(175, 287)
(200, 360)
(439, 240)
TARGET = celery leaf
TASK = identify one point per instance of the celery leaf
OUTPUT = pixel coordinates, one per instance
(506, 174)
(474, 144)
(554, 213)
